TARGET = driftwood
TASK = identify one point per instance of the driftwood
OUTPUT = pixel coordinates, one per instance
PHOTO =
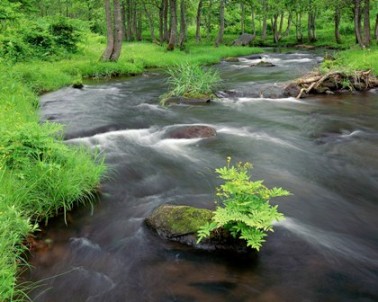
(333, 81)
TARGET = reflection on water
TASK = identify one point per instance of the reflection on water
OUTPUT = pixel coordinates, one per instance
(323, 149)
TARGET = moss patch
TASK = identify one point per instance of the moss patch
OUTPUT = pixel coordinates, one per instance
(172, 220)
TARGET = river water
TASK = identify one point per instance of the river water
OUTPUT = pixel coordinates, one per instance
(323, 149)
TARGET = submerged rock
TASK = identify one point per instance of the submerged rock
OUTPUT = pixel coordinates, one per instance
(263, 64)
(196, 131)
(78, 85)
(231, 59)
(181, 223)
(188, 101)
(254, 57)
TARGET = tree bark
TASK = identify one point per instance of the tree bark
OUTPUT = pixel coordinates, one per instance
(173, 25)
(376, 27)
(219, 39)
(289, 20)
(367, 37)
(182, 24)
(312, 26)
(264, 26)
(357, 22)
(298, 27)
(208, 20)
(198, 21)
(110, 32)
(165, 20)
(129, 34)
(118, 35)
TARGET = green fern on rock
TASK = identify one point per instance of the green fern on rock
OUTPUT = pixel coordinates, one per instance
(243, 209)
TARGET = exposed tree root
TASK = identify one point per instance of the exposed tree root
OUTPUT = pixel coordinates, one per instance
(331, 82)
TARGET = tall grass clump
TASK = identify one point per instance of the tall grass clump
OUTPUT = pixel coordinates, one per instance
(191, 81)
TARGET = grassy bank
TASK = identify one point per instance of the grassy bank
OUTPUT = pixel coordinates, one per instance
(357, 59)
(40, 176)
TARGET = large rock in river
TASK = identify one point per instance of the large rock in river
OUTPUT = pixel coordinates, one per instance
(195, 131)
(244, 40)
(181, 223)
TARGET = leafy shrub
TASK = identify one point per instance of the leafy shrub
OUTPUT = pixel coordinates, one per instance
(244, 208)
(14, 49)
(65, 35)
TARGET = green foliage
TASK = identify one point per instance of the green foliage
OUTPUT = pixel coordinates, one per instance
(65, 35)
(244, 209)
(191, 80)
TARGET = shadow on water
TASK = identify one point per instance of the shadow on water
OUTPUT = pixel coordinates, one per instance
(322, 149)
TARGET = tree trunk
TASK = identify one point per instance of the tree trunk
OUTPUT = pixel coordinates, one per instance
(242, 17)
(139, 24)
(311, 26)
(118, 35)
(150, 22)
(253, 20)
(182, 24)
(173, 26)
(208, 20)
(337, 24)
(274, 28)
(123, 14)
(129, 34)
(198, 21)
(376, 27)
(357, 22)
(264, 26)
(219, 39)
(298, 27)
(161, 21)
(165, 19)
(110, 32)
(289, 20)
(367, 37)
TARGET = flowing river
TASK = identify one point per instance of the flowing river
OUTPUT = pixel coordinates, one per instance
(323, 149)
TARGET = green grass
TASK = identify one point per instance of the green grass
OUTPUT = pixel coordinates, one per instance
(191, 80)
(40, 176)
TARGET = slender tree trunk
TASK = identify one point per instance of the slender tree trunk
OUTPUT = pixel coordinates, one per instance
(173, 26)
(134, 28)
(161, 21)
(253, 20)
(209, 20)
(264, 26)
(118, 35)
(289, 20)
(110, 32)
(367, 37)
(165, 19)
(150, 19)
(198, 21)
(242, 17)
(219, 39)
(129, 34)
(357, 22)
(274, 28)
(376, 27)
(312, 26)
(139, 24)
(123, 14)
(182, 24)
(337, 24)
(298, 27)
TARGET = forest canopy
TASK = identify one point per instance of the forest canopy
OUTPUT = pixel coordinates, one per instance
(51, 28)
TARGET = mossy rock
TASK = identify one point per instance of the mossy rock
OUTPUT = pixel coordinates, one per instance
(181, 223)
(172, 221)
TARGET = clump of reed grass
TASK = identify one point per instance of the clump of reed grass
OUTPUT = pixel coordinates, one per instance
(191, 81)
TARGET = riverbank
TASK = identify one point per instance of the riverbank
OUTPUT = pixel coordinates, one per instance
(40, 176)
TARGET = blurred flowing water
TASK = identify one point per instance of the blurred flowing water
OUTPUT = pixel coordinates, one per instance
(323, 149)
